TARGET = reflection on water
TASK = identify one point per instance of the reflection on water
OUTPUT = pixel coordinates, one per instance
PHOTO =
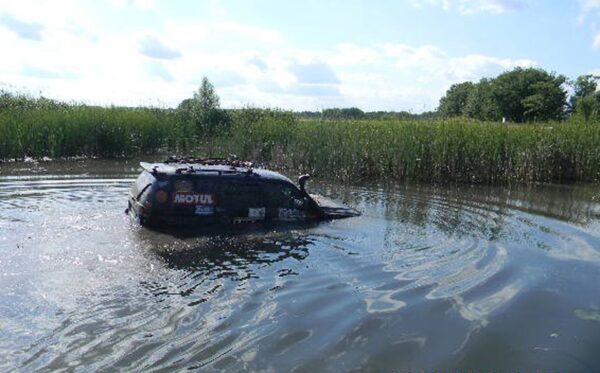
(435, 278)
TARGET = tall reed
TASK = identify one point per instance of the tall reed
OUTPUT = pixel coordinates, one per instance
(87, 131)
(431, 151)
(426, 150)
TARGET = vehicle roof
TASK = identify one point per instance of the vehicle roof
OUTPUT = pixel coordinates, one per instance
(180, 169)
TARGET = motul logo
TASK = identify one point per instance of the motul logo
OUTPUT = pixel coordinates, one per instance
(193, 199)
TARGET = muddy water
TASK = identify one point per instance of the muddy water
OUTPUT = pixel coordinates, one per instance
(435, 278)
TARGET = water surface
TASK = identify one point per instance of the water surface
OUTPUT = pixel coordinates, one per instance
(434, 278)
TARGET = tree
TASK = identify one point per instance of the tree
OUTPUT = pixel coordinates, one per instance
(547, 101)
(203, 111)
(454, 103)
(587, 107)
(585, 85)
(585, 101)
(481, 104)
(343, 113)
(206, 99)
(530, 95)
(519, 95)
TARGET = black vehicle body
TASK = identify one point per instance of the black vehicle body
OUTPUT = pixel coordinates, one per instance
(199, 192)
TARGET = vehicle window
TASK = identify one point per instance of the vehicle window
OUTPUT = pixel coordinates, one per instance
(284, 195)
(144, 179)
(241, 196)
(184, 185)
(204, 185)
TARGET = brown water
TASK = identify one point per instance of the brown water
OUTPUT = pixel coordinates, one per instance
(434, 278)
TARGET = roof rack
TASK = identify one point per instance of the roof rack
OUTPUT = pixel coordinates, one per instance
(232, 161)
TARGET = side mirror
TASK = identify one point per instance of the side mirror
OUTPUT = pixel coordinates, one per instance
(302, 182)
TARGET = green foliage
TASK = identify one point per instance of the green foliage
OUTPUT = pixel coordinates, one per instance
(258, 133)
(585, 101)
(344, 113)
(547, 101)
(461, 150)
(481, 104)
(588, 107)
(41, 127)
(454, 104)
(583, 86)
(203, 112)
(429, 151)
(526, 95)
(420, 150)
(355, 113)
(519, 95)
(206, 98)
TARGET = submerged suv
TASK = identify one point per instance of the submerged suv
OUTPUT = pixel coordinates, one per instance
(201, 191)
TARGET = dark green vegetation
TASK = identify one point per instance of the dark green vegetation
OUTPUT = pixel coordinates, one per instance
(430, 151)
(346, 143)
(42, 127)
(523, 96)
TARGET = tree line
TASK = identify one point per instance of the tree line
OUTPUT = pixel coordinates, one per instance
(203, 112)
(354, 113)
(523, 95)
(519, 95)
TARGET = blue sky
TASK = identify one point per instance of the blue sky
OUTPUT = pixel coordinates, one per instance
(301, 55)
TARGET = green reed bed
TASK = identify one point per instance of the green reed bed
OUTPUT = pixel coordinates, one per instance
(87, 131)
(431, 151)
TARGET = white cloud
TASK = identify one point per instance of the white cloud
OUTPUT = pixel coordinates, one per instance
(157, 69)
(152, 47)
(597, 41)
(25, 30)
(77, 59)
(475, 6)
(445, 4)
(314, 73)
(349, 54)
(588, 5)
(238, 35)
(137, 4)
(433, 64)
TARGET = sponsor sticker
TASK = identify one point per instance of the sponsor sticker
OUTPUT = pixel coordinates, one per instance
(291, 214)
(193, 199)
(161, 196)
(243, 220)
(204, 210)
(257, 213)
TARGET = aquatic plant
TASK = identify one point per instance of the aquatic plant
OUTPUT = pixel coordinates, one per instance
(430, 151)
(88, 131)
(460, 150)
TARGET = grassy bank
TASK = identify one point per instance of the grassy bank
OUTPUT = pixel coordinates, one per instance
(430, 151)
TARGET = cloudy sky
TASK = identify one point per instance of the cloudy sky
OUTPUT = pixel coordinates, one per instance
(301, 55)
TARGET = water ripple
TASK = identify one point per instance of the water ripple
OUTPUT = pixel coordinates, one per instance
(426, 278)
